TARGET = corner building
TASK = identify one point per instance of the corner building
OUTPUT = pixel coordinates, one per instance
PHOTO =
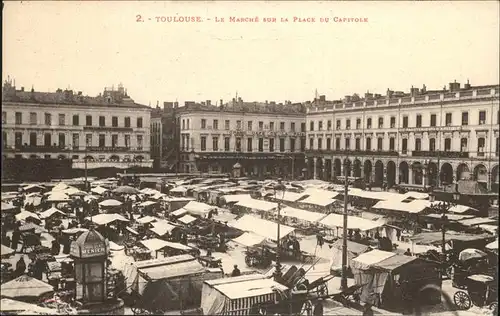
(420, 138)
(40, 129)
(264, 138)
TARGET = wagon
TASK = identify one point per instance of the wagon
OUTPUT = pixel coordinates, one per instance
(481, 291)
(260, 258)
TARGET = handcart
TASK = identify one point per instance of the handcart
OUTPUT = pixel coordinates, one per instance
(481, 291)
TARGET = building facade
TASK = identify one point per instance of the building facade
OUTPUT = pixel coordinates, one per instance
(263, 138)
(165, 137)
(107, 131)
(420, 138)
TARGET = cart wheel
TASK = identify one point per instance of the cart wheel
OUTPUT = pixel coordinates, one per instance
(306, 309)
(248, 260)
(494, 307)
(322, 289)
(301, 287)
(462, 300)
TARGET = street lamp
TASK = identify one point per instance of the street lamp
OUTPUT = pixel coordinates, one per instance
(278, 187)
(343, 281)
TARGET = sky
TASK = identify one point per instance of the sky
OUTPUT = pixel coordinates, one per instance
(87, 46)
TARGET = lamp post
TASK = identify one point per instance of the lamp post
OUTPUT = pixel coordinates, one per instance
(278, 187)
(343, 281)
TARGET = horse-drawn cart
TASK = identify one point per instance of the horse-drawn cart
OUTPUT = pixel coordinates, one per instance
(481, 291)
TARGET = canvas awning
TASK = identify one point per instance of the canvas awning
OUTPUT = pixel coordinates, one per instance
(302, 214)
(58, 197)
(6, 251)
(25, 286)
(25, 215)
(315, 192)
(179, 212)
(103, 219)
(187, 219)
(249, 239)
(173, 270)
(162, 227)
(261, 227)
(460, 209)
(413, 207)
(197, 208)
(110, 202)
(257, 205)
(147, 203)
(476, 221)
(435, 238)
(51, 211)
(318, 200)
(99, 190)
(248, 288)
(367, 259)
(146, 219)
(179, 190)
(353, 222)
(231, 198)
(156, 244)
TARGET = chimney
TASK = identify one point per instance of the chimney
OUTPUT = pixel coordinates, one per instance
(389, 93)
(221, 103)
(347, 98)
(203, 103)
(467, 85)
(267, 102)
(22, 89)
(454, 86)
(79, 93)
(424, 89)
(413, 91)
(176, 104)
(322, 98)
(240, 100)
(209, 102)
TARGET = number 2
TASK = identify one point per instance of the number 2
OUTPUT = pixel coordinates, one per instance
(139, 18)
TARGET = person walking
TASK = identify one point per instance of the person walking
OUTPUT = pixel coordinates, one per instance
(16, 235)
(398, 234)
(236, 272)
(407, 252)
(20, 267)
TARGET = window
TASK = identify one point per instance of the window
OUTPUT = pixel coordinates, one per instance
(358, 123)
(433, 120)
(465, 118)
(497, 146)
(328, 144)
(203, 142)
(261, 125)
(337, 143)
(19, 118)
(271, 126)
(405, 121)
(215, 143)
(203, 123)
(249, 125)
(271, 144)
(303, 127)
(238, 144)
(226, 143)
(249, 144)
(419, 120)
(76, 120)
(348, 124)
(404, 146)
(238, 124)
(463, 145)
(47, 140)
(32, 118)
(393, 121)
(303, 144)
(48, 119)
(311, 126)
(448, 119)
(102, 121)
(62, 119)
(114, 121)
(282, 144)
(76, 141)
(329, 125)
(4, 117)
(114, 141)
(347, 144)
(292, 126)
(102, 140)
(18, 140)
(320, 143)
(380, 142)
(357, 144)
(418, 144)
(480, 146)
(311, 143)
(4, 140)
(368, 144)
(320, 125)
(292, 144)
(139, 142)
(62, 140)
(447, 144)
(127, 121)
(32, 139)
(88, 140)
(338, 125)
(380, 122)
(127, 141)
(261, 144)
(216, 124)
(482, 117)
(432, 144)
(226, 124)
(369, 123)
(282, 126)
(392, 144)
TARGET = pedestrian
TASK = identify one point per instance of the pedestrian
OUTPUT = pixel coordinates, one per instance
(16, 235)
(407, 252)
(236, 272)
(209, 252)
(56, 248)
(398, 234)
(319, 239)
(20, 267)
(377, 235)
(367, 310)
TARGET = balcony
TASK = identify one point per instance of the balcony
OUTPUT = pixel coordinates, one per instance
(443, 154)
(32, 149)
(106, 149)
(95, 164)
(108, 128)
(353, 152)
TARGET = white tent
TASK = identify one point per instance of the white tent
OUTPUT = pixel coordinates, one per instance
(103, 219)
(197, 208)
(51, 211)
(261, 227)
(302, 214)
(353, 222)
(187, 219)
(249, 239)
(257, 205)
(110, 202)
(99, 190)
(57, 197)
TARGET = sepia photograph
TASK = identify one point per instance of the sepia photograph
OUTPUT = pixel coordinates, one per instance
(290, 158)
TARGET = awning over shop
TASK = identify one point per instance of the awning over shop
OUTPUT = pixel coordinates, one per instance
(103, 219)
(187, 219)
(353, 222)
(231, 198)
(249, 239)
(435, 238)
(197, 208)
(257, 205)
(302, 214)
(320, 192)
(318, 200)
(147, 203)
(261, 227)
(51, 211)
(370, 258)
(413, 207)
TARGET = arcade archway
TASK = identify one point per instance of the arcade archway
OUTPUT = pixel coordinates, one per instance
(310, 168)
(368, 171)
(403, 172)
(481, 173)
(494, 178)
(357, 168)
(337, 165)
(319, 168)
(391, 174)
(463, 172)
(328, 169)
(418, 173)
(432, 174)
(379, 173)
(347, 166)
(446, 174)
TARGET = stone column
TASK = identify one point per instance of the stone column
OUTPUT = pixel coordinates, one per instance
(410, 175)
(332, 175)
(314, 167)
(305, 174)
(488, 184)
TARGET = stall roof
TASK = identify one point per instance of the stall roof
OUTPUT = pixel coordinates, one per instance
(416, 195)
(318, 200)
(370, 258)
(250, 288)
(156, 244)
(460, 209)
(490, 228)
(231, 198)
(257, 204)
(290, 196)
(7, 206)
(198, 208)
(186, 219)
(25, 214)
(249, 239)
(110, 202)
(6, 251)
(147, 203)
(320, 192)
(103, 219)
(147, 219)
(224, 217)
(493, 245)
(352, 246)
(143, 264)
(431, 238)
(176, 199)
(51, 211)
(241, 278)
(261, 227)
(353, 222)
(180, 212)
(302, 214)
(451, 217)
(394, 262)
(179, 189)
(414, 207)
(476, 221)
